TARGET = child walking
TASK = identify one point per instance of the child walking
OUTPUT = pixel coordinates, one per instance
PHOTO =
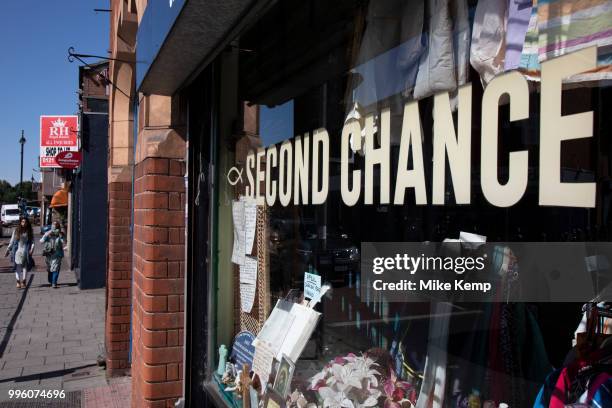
(53, 252)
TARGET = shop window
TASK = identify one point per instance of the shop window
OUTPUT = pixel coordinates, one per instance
(311, 69)
(97, 105)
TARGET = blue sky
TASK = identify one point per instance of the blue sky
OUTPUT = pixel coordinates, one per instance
(35, 75)
(276, 124)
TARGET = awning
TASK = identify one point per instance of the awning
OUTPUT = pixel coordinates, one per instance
(175, 38)
(60, 199)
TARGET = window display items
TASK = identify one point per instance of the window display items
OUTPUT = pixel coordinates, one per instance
(288, 329)
(222, 359)
(229, 376)
(360, 381)
(254, 397)
(585, 374)
(273, 400)
(282, 382)
(243, 349)
(244, 386)
(298, 400)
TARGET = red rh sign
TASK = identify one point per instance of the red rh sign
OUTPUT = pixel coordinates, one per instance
(57, 134)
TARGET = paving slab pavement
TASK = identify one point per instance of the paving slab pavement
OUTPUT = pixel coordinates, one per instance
(50, 339)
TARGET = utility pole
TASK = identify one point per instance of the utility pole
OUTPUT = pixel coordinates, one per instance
(22, 141)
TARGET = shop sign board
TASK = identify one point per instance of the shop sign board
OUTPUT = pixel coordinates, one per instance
(68, 159)
(243, 349)
(298, 171)
(58, 133)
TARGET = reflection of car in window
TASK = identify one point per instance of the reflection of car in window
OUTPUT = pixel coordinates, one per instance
(297, 247)
(334, 256)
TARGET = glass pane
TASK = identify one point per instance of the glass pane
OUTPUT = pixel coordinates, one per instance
(409, 121)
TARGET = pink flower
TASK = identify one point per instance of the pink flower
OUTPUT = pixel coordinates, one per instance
(391, 404)
(395, 391)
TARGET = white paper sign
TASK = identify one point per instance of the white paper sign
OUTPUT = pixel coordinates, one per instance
(244, 215)
(312, 285)
(317, 299)
(238, 218)
(250, 224)
(262, 360)
(247, 297)
(248, 270)
(248, 283)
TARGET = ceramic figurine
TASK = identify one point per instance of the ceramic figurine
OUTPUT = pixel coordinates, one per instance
(222, 360)
(229, 375)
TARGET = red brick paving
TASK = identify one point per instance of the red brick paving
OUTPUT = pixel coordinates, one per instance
(117, 394)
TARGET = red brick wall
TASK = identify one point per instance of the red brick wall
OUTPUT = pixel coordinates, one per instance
(118, 278)
(159, 270)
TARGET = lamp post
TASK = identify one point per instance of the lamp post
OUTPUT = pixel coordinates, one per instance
(22, 141)
(22, 204)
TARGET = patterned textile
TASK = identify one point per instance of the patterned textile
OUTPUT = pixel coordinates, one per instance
(530, 63)
(519, 14)
(559, 27)
(603, 395)
(565, 26)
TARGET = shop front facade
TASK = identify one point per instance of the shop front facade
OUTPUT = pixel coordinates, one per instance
(295, 161)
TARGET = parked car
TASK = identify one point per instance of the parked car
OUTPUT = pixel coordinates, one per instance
(297, 247)
(33, 211)
(9, 215)
(33, 214)
(336, 257)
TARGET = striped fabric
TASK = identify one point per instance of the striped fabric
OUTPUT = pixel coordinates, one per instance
(570, 25)
(559, 27)
(530, 63)
(565, 26)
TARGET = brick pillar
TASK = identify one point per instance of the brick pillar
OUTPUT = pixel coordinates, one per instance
(118, 278)
(159, 270)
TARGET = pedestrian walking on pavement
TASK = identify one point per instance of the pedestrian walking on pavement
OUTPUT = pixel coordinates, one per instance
(11, 249)
(53, 252)
(23, 240)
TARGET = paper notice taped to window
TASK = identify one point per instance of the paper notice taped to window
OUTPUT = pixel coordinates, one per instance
(238, 219)
(248, 283)
(248, 270)
(247, 296)
(250, 224)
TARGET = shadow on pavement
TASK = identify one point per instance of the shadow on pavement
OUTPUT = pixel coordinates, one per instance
(47, 375)
(9, 328)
